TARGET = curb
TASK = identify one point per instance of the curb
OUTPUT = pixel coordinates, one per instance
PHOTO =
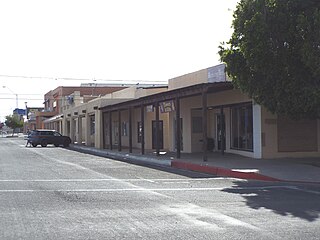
(222, 171)
(203, 168)
(122, 157)
(175, 164)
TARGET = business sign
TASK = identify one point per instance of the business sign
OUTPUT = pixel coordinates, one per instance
(217, 74)
(167, 106)
(149, 108)
(19, 111)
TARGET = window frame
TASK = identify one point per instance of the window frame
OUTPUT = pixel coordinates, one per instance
(248, 130)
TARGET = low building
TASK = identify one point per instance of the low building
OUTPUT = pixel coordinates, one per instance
(205, 113)
(63, 98)
(199, 112)
(83, 123)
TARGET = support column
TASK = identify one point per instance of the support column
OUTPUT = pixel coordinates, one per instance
(110, 130)
(178, 129)
(97, 129)
(204, 126)
(72, 129)
(223, 130)
(142, 131)
(76, 128)
(119, 130)
(103, 130)
(130, 130)
(257, 131)
(87, 130)
(157, 129)
(80, 130)
(64, 126)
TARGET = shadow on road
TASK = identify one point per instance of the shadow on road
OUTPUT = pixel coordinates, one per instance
(282, 200)
(169, 169)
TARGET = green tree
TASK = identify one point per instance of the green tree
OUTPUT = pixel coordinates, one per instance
(14, 122)
(274, 55)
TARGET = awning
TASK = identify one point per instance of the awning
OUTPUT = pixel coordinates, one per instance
(54, 118)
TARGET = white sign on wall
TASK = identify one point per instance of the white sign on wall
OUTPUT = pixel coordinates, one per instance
(217, 74)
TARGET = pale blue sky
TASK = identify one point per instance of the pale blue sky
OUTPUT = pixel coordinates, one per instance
(150, 40)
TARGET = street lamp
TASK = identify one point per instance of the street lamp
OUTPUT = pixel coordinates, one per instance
(12, 93)
(26, 104)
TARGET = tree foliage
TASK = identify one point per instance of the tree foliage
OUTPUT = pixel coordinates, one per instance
(13, 121)
(274, 55)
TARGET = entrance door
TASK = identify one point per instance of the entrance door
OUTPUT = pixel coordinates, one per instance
(115, 139)
(220, 120)
(160, 134)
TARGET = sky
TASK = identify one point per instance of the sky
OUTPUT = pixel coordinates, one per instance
(49, 43)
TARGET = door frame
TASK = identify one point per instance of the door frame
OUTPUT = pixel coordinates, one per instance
(154, 135)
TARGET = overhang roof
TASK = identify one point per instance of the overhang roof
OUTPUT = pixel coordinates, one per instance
(54, 118)
(189, 91)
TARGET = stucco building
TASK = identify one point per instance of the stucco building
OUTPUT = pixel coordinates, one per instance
(197, 112)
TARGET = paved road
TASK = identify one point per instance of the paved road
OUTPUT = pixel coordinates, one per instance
(56, 193)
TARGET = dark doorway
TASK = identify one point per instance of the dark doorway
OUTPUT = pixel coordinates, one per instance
(221, 131)
(160, 134)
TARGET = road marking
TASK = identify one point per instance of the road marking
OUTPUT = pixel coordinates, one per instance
(304, 190)
(109, 190)
(138, 189)
(210, 218)
(146, 180)
(172, 182)
(116, 179)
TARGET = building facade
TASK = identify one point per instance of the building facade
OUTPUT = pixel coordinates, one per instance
(199, 112)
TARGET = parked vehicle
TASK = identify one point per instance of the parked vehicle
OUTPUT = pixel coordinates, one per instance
(44, 137)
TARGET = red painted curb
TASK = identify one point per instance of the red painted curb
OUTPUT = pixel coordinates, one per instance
(221, 171)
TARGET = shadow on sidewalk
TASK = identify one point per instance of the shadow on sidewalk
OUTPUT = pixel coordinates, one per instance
(284, 201)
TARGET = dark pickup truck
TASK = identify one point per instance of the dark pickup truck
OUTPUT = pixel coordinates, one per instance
(45, 137)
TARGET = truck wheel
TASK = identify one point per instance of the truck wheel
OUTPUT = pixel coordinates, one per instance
(66, 143)
(44, 143)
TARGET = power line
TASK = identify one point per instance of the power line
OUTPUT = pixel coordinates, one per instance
(22, 99)
(39, 77)
(83, 79)
(23, 94)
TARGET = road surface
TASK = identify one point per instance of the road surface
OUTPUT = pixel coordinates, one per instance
(57, 193)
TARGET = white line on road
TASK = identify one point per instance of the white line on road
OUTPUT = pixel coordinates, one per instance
(109, 190)
(304, 190)
(146, 180)
(136, 189)
(111, 179)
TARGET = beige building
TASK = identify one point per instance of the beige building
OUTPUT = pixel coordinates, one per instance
(84, 122)
(214, 117)
(196, 112)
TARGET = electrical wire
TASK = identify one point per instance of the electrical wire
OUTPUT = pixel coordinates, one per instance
(84, 79)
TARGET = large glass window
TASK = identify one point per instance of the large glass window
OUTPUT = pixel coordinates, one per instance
(92, 125)
(139, 132)
(242, 127)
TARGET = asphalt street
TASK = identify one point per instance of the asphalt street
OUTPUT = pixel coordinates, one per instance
(57, 193)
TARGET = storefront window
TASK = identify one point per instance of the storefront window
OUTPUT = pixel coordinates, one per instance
(139, 132)
(92, 125)
(242, 127)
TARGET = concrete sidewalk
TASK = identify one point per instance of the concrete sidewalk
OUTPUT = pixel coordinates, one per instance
(230, 165)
